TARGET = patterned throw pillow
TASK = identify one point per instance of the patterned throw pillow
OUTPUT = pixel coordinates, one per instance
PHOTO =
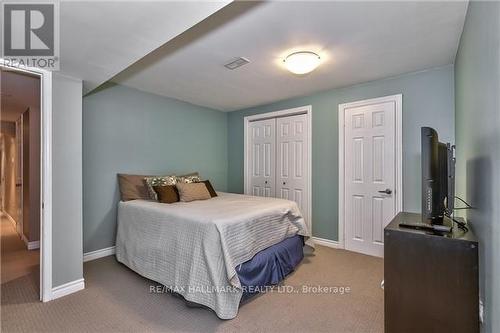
(189, 178)
(158, 181)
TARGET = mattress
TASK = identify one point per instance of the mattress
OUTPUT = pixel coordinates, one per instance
(194, 248)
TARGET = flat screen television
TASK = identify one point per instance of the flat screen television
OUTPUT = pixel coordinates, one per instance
(438, 177)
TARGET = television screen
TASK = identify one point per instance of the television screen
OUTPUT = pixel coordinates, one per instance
(438, 168)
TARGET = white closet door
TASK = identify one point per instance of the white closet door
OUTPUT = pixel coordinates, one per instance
(292, 160)
(263, 168)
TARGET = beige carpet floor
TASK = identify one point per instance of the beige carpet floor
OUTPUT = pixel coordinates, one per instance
(16, 260)
(118, 300)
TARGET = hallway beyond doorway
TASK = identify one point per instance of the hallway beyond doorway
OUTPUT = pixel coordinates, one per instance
(16, 260)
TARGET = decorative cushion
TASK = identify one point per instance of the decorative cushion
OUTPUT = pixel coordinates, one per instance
(167, 194)
(133, 187)
(209, 188)
(158, 181)
(192, 191)
(189, 178)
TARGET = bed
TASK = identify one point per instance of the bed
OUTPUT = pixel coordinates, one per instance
(196, 248)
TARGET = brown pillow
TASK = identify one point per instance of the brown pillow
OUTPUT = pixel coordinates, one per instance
(167, 194)
(192, 191)
(209, 188)
(158, 181)
(133, 187)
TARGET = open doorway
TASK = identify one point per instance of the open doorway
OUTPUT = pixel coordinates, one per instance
(20, 192)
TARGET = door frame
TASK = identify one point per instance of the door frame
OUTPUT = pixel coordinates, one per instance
(2, 173)
(45, 174)
(307, 110)
(398, 139)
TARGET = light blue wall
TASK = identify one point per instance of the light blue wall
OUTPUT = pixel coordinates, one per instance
(477, 91)
(428, 100)
(129, 131)
(67, 256)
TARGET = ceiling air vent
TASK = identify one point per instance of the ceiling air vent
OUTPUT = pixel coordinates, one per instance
(237, 63)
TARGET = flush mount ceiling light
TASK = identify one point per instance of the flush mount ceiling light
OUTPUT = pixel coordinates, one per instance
(302, 62)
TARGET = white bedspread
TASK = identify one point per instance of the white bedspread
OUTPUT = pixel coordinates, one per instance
(195, 247)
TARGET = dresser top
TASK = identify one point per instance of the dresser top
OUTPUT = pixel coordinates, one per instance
(405, 217)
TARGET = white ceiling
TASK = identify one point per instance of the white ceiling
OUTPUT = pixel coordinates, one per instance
(100, 39)
(18, 92)
(358, 42)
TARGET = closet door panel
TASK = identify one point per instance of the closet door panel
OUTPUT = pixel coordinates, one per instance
(292, 158)
(263, 152)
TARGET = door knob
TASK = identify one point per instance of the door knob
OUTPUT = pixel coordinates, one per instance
(266, 181)
(284, 183)
(386, 191)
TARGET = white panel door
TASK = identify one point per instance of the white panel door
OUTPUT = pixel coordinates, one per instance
(262, 157)
(370, 177)
(292, 160)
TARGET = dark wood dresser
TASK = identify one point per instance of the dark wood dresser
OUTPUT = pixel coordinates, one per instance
(431, 281)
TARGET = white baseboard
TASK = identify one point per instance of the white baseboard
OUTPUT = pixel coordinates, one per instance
(30, 245)
(33, 245)
(327, 242)
(109, 251)
(68, 288)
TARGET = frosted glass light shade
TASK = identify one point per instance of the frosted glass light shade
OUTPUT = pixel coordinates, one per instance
(302, 62)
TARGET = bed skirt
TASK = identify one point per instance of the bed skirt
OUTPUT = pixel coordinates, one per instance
(270, 266)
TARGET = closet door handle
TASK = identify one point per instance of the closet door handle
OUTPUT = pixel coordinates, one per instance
(265, 182)
(284, 183)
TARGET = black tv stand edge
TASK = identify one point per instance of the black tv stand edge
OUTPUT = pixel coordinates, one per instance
(431, 280)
